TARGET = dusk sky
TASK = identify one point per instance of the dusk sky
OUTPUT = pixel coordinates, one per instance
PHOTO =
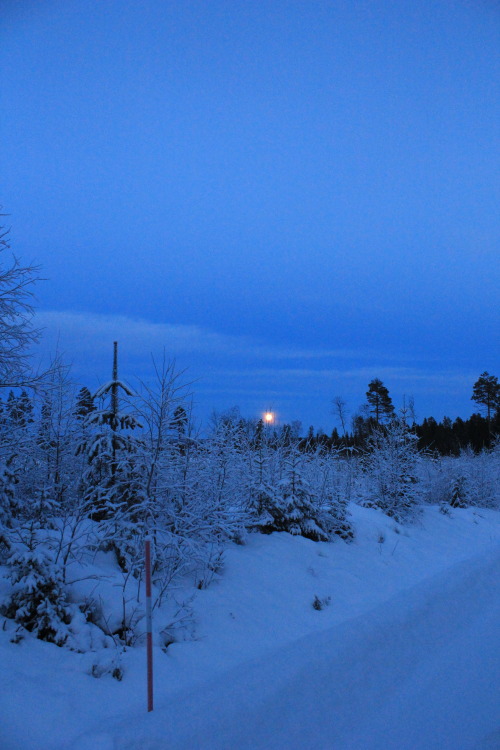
(292, 198)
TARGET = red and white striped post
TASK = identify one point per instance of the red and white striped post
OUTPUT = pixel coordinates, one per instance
(149, 624)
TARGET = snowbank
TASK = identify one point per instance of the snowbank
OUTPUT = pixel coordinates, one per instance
(403, 656)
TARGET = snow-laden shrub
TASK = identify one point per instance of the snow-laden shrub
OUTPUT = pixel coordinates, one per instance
(434, 476)
(38, 601)
(291, 505)
(181, 625)
(473, 479)
(481, 477)
(470, 479)
(331, 478)
(305, 494)
(391, 465)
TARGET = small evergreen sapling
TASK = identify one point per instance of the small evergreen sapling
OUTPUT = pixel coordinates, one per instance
(458, 492)
(38, 602)
(112, 483)
(329, 477)
(259, 487)
(293, 505)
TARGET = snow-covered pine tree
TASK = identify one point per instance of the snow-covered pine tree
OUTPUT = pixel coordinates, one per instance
(379, 401)
(83, 407)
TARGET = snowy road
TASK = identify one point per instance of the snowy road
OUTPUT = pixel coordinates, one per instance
(420, 672)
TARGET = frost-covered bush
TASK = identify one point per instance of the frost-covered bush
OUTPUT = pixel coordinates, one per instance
(435, 476)
(391, 466)
(475, 479)
(481, 477)
(469, 479)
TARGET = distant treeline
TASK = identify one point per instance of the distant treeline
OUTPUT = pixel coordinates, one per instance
(446, 438)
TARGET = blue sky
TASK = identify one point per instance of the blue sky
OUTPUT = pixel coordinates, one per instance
(291, 197)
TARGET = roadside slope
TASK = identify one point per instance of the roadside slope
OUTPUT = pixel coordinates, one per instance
(419, 672)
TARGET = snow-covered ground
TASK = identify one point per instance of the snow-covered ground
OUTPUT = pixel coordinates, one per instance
(404, 655)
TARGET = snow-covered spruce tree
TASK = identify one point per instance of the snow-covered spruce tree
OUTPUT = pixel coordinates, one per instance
(19, 410)
(83, 407)
(38, 601)
(391, 464)
(257, 480)
(290, 504)
(84, 404)
(114, 484)
(457, 496)
(329, 475)
(16, 461)
(8, 504)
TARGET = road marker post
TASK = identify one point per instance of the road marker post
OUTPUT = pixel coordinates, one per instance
(149, 624)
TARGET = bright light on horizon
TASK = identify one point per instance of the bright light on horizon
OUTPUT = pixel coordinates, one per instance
(269, 417)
